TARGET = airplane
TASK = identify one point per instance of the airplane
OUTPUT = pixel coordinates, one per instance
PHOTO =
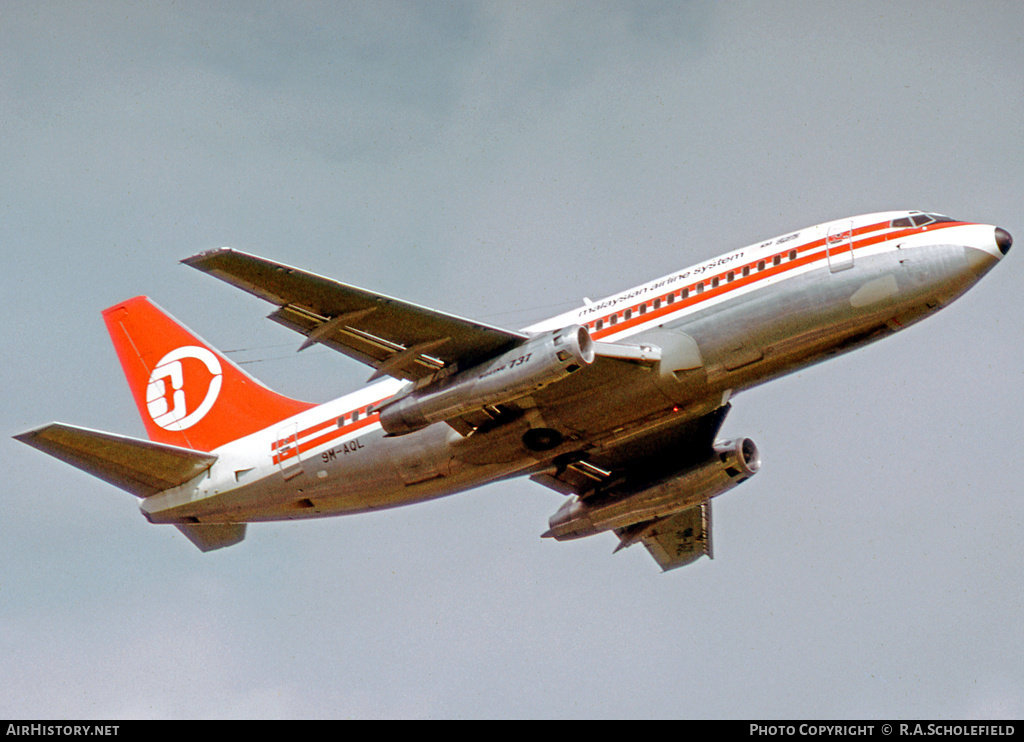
(616, 404)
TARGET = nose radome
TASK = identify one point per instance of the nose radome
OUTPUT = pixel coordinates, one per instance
(1003, 240)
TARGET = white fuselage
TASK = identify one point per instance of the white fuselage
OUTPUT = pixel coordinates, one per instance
(723, 325)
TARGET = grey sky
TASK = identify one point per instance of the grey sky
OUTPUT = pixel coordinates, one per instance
(501, 161)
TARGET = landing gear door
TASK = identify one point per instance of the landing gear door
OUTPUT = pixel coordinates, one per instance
(839, 246)
(286, 451)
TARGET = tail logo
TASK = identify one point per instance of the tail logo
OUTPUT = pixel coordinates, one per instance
(167, 406)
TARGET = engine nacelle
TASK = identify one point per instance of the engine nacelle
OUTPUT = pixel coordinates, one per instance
(733, 462)
(523, 370)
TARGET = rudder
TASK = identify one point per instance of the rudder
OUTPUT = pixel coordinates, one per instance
(187, 392)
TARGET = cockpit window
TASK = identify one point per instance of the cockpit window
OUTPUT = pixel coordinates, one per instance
(919, 220)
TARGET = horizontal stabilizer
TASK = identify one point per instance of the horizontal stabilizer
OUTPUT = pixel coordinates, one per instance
(214, 536)
(141, 467)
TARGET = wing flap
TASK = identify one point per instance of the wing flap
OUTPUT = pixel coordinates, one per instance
(357, 344)
(370, 327)
(675, 541)
(141, 467)
(589, 471)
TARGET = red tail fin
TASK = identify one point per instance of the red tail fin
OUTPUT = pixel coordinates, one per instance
(188, 393)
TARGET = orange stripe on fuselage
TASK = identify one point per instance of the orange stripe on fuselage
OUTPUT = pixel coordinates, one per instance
(304, 444)
(810, 255)
(807, 254)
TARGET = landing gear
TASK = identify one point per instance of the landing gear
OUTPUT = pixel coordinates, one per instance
(542, 439)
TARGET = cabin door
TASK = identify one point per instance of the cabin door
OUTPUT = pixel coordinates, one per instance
(286, 451)
(839, 246)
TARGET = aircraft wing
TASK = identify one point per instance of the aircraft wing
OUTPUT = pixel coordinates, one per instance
(677, 540)
(397, 338)
(643, 457)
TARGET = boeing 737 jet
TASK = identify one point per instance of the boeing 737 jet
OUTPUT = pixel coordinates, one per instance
(616, 404)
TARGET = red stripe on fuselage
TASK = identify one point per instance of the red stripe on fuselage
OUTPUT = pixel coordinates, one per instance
(304, 444)
(807, 254)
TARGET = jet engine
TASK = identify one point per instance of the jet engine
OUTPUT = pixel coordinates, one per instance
(540, 361)
(732, 462)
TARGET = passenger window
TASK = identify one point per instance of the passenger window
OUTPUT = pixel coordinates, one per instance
(776, 260)
(730, 276)
(700, 288)
(746, 271)
(792, 254)
(760, 265)
(600, 324)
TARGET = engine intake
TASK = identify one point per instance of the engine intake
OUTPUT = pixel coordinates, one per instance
(732, 463)
(523, 370)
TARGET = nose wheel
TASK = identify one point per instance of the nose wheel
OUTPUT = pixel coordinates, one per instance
(542, 439)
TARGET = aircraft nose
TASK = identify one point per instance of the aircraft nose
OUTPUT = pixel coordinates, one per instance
(1003, 240)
